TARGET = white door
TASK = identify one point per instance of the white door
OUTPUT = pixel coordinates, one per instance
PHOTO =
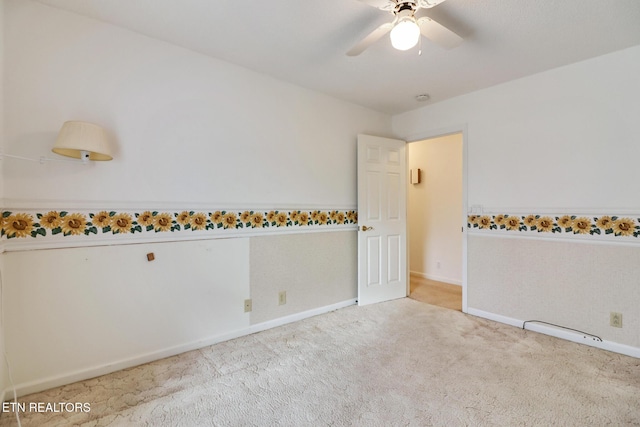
(382, 232)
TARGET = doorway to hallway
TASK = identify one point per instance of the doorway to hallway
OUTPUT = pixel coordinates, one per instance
(435, 231)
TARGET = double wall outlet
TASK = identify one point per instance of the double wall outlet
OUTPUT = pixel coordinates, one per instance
(615, 319)
(282, 297)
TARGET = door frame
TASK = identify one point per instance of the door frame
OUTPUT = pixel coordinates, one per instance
(436, 133)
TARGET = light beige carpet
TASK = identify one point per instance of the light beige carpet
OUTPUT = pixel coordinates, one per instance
(400, 363)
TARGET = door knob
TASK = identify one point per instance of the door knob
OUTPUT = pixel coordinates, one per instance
(365, 228)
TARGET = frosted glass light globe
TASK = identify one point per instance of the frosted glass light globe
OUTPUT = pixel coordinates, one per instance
(405, 34)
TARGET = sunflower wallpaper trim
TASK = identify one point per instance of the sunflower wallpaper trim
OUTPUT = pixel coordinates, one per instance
(604, 225)
(18, 225)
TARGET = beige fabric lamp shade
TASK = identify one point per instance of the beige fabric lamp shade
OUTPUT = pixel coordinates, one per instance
(82, 139)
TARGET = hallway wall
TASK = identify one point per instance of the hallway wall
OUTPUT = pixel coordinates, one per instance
(435, 209)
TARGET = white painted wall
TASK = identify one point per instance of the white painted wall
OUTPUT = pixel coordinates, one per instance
(71, 311)
(187, 130)
(435, 209)
(2, 101)
(563, 140)
(3, 371)
(186, 127)
(560, 138)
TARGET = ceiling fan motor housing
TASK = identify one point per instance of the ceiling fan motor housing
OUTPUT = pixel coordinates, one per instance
(393, 5)
(404, 8)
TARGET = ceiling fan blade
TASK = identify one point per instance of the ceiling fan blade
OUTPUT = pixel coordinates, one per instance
(427, 4)
(373, 37)
(438, 33)
(383, 4)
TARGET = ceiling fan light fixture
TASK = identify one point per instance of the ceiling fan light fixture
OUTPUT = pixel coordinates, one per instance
(405, 34)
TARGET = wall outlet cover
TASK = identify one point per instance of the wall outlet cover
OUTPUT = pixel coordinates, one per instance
(615, 319)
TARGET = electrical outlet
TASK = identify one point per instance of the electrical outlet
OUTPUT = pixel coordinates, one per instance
(615, 319)
(438, 264)
(282, 298)
(247, 305)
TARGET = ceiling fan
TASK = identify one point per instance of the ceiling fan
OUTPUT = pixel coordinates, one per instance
(406, 28)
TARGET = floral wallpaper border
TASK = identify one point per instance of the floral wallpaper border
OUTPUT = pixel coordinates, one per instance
(18, 225)
(25, 224)
(612, 225)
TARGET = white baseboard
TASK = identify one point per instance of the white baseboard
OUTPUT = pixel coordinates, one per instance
(84, 374)
(436, 278)
(565, 334)
(298, 316)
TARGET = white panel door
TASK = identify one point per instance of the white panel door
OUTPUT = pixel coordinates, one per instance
(382, 232)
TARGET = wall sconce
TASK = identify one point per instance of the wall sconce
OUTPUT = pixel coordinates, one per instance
(415, 176)
(80, 140)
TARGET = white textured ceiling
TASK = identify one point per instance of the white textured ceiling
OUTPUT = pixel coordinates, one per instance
(304, 41)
